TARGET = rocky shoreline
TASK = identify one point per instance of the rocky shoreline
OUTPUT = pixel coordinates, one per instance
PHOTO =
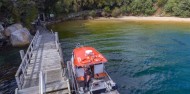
(15, 35)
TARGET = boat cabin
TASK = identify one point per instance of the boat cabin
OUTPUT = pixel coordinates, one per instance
(88, 57)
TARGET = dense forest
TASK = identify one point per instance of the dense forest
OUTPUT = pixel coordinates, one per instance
(27, 10)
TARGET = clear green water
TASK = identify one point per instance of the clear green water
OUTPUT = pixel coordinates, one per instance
(144, 57)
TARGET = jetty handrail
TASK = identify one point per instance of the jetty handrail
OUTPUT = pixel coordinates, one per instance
(72, 77)
(68, 85)
(42, 87)
(58, 46)
(56, 40)
(21, 72)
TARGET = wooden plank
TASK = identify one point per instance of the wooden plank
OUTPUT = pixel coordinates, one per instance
(52, 87)
(55, 88)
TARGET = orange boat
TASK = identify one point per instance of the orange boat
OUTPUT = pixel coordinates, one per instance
(87, 72)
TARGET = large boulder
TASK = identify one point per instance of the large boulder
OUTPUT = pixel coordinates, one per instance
(1, 32)
(20, 37)
(12, 29)
(2, 36)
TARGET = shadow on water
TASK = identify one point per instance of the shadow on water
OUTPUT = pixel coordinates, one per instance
(9, 62)
(144, 57)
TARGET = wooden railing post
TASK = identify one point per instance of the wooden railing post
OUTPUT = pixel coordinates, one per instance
(56, 40)
(22, 54)
(68, 85)
(16, 91)
(42, 87)
(23, 70)
(18, 82)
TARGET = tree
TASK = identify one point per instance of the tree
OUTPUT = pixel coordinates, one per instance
(27, 16)
(178, 8)
(161, 3)
(92, 13)
(116, 12)
(107, 9)
(123, 9)
(169, 5)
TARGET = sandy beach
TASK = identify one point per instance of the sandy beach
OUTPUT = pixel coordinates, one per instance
(149, 18)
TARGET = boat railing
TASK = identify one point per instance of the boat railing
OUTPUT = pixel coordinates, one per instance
(21, 72)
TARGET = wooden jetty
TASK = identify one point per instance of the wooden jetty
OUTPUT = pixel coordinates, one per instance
(41, 70)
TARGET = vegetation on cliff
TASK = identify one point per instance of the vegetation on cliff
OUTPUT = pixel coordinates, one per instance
(27, 10)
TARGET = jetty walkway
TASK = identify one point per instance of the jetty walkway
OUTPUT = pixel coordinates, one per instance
(41, 70)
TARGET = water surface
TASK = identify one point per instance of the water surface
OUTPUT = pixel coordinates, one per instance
(9, 62)
(144, 57)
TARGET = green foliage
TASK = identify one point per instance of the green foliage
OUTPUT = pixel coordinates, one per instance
(116, 12)
(27, 10)
(104, 14)
(178, 8)
(107, 9)
(59, 8)
(123, 9)
(1, 4)
(142, 7)
(169, 5)
(92, 13)
(31, 16)
(160, 3)
(16, 14)
(6, 11)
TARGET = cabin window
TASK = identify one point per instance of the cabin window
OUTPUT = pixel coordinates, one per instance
(99, 71)
(98, 68)
(79, 72)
